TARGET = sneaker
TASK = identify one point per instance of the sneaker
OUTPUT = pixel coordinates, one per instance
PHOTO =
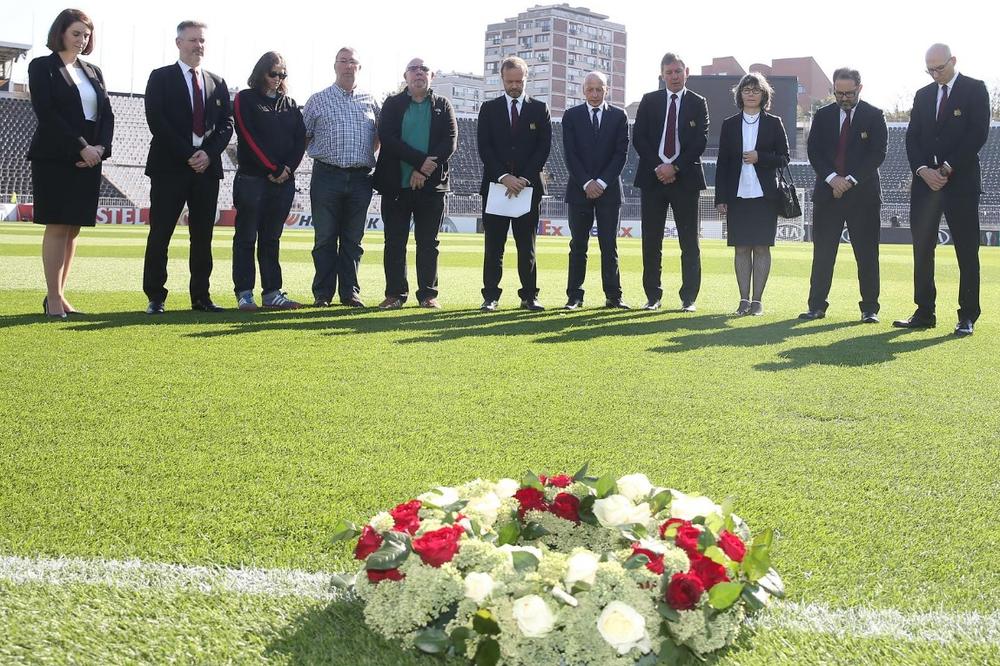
(391, 303)
(280, 301)
(431, 303)
(245, 302)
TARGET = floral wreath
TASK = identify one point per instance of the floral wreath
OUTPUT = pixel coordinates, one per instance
(561, 570)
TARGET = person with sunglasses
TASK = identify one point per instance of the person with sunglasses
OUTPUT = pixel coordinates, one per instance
(418, 133)
(271, 136)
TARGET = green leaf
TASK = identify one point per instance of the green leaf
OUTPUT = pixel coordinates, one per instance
(636, 562)
(533, 531)
(673, 654)
(705, 540)
(580, 586)
(344, 530)
(484, 623)
(666, 612)
(531, 480)
(432, 641)
(488, 653)
(581, 473)
(605, 486)
(509, 534)
(459, 638)
(715, 522)
(524, 561)
(764, 539)
(727, 506)
(723, 595)
(393, 552)
(660, 501)
(756, 563)
(755, 597)
(715, 554)
(635, 532)
(772, 582)
(586, 510)
(647, 660)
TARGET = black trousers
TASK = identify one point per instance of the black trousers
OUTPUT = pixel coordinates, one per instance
(426, 208)
(655, 202)
(525, 229)
(581, 221)
(168, 193)
(863, 221)
(961, 211)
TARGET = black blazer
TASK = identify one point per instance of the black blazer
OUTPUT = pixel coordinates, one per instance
(866, 149)
(772, 154)
(56, 101)
(957, 139)
(589, 158)
(522, 153)
(170, 119)
(394, 151)
(693, 132)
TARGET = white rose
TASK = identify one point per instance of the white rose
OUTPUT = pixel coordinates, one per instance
(478, 586)
(441, 497)
(382, 522)
(510, 550)
(485, 508)
(581, 567)
(635, 486)
(688, 507)
(653, 546)
(533, 616)
(641, 515)
(623, 627)
(618, 511)
(506, 488)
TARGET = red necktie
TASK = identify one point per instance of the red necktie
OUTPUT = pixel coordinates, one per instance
(198, 104)
(670, 140)
(513, 116)
(944, 100)
(840, 162)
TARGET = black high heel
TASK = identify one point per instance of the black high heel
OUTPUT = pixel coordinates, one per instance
(45, 309)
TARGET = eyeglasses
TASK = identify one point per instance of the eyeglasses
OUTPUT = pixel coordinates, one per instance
(348, 61)
(278, 75)
(937, 70)
(846, 94)
(752, 91)
(418, 68)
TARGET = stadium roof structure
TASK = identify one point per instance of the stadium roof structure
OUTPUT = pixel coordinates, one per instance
(11, 51)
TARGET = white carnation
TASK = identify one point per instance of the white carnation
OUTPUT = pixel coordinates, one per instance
(689, 507)
(623, 628)
(382, 522)
(506, 488)
(441, 497)
(635, 486)
(478, 586)
(484, 508)
(581, 567)
(618, 511)
(533, 616)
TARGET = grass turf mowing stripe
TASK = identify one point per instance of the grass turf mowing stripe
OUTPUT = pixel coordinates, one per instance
(929, 626)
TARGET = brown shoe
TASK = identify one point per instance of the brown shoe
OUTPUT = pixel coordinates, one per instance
(391, 303)
(431, 303)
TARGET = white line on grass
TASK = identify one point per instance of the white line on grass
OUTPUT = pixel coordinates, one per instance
(935, 626)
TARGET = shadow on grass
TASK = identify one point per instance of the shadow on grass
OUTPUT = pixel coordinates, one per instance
(336, 634)
(853, 352)
(771, 333)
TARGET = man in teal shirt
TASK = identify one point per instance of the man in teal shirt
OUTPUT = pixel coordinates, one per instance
(419, 134)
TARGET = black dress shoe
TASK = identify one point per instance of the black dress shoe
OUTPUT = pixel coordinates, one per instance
(489, 305)
(652, 305)
(688, 306)
(155, 308)
(916, 321)
(616, 303)
(869, 318)
(354, 302)
(810, 315)
(533, 305)
(206, 305)
(964, 328)
(574, 304)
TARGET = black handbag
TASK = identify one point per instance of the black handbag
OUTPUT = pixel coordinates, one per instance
(789, 206)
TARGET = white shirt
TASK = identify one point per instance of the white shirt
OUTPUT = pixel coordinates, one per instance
(185, 69)
(749, 183)
(937, 105)
(520, 107)
(88, 96)
(840, 127)
(668, 159)
(600, 119)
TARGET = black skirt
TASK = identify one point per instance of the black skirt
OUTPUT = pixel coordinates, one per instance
(65, 193)
(751, 222)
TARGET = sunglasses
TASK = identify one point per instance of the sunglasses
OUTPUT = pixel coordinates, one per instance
(418, 68)
(278, 75)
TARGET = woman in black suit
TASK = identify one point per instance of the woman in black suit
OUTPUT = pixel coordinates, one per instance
(752, 148)
(73, 137)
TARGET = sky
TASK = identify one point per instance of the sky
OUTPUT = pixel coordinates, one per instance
(885, 41)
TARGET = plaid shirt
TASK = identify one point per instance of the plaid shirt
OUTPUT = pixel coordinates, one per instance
(343, 127)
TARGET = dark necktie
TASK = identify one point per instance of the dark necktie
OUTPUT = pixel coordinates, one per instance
(595, 122)
(513, 116)
(944, 100)
(198, 103)
(670, 140)
(840, 163)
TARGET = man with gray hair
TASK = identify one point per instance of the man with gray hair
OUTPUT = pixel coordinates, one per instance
(595, 142)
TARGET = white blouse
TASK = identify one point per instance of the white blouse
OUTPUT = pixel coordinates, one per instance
(88, 96)
(749, 184)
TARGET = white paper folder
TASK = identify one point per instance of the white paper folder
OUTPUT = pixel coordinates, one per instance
(498, 203)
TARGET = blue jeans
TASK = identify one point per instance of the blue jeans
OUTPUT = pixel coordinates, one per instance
(340, 199)
(261, 210)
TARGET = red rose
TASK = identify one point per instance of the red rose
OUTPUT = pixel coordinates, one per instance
(531, 499)
(389, 574)
(687, 539)
(655, 563)
(406, 517)
(708, 571)
(672, 521)
(369, 542)
(439, 546)
(567, 506)
(684, 591)
(560, 480)
(732, 546)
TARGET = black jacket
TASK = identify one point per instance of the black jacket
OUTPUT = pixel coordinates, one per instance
(592, 158)
(170, 119)
(521, 153)
(692, 128)
(772, 155)
(866, 149)
(394, 151)
(56, 101)
(270, 132)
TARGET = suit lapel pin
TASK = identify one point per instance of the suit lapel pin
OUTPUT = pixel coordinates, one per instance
(864, 135)
(218, 103)
(692, 123)
(532, 126)
(958, 112)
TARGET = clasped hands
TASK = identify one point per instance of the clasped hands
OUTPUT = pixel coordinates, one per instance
(514, 184)
(936, 178)
(90, 156)
(419, 177)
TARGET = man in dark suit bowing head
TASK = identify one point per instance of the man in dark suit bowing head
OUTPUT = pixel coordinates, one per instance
(190, 116)
(670, 134)
(949, 124)
(595, 142)
(847, 144)
(515, 136)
